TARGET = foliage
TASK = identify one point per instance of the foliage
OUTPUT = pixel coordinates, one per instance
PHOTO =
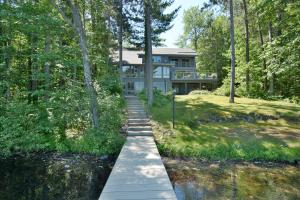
(43, 99)
(27, 127)
(208, 34)
(160, 98)
(273, 43)
(161, 20)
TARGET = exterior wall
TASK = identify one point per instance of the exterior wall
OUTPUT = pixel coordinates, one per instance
(133, 75)
(135, 85)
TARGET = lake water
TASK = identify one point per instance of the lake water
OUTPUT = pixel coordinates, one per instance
(215, 180)
(51, 176)
(74, 177)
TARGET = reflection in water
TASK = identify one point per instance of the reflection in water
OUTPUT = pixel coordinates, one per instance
(52, 177)
(196, 180)
(188, 191)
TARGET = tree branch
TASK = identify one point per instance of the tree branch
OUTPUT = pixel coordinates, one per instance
(63, 14)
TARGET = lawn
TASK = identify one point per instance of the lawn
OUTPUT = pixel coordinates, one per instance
(208, 127)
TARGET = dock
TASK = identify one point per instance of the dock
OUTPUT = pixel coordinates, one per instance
(139, 172)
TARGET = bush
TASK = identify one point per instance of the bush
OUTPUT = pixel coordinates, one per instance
(159, 99)
(63, 123)
(112, 84)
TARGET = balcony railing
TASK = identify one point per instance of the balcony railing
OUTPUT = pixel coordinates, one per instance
(192, 76)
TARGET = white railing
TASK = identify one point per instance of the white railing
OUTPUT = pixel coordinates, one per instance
(192, 76)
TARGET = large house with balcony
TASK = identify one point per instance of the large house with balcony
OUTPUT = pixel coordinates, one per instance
(173, 68)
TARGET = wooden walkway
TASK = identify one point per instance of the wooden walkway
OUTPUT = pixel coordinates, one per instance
(138, 172)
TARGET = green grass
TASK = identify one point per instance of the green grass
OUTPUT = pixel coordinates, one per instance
(197, 134)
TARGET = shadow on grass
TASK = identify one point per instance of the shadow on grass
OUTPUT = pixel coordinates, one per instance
(234, 141)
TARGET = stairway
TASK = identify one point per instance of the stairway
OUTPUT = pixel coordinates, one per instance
(138, 121)
(138, 172)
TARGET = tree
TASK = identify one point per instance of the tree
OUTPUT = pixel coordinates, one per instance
(231, 99)
(76, 22)
(211, 40)
(120, 33)
(270, 30)
(160, 23)
(147, 20)
(195, 22)
(247, 44)
(148, 52)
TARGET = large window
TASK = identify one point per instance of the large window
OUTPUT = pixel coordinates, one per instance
(156, 59)
(138, 85)
(186, 63)
(161, 72)
(166, 72)
(157, 72)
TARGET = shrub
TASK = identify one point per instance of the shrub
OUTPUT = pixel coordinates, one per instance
(201, 92)
(63, 123)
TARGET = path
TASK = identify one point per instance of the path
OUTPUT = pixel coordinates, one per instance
(138, 172)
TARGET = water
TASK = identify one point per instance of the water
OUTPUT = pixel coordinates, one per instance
(72, 177)
(51, 176)
(197, 181)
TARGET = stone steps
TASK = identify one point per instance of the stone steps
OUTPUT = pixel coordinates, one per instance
(139, 128)
(138, 121)
(138, 124)
(139, 133)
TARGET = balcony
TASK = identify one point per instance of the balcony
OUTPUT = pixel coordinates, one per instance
(192, 76)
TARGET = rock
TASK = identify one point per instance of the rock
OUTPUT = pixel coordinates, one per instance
(104, 157)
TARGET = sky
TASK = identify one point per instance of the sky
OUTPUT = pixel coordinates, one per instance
(174, 33)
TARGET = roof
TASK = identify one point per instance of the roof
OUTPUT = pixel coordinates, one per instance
(133, 56)
(173, 51)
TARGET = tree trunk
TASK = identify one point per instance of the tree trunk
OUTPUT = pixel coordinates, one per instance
(271, 88)
(146, 54)
(47, 68)
(7, 61)
(218, 69)
(93, 12)
(32, 71)
(231, 99)
(264, 60)
(195, 40)
(247, 45)
(120, 35)
(86, 64)
(148, 41)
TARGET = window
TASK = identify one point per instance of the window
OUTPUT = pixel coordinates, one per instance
(184, 75)
(157, 72)
(159, 85)
(138, 85)
(166, 72)
(185, 63)
(125, 69)
(156, 59)
(130, 85)
(174, 62)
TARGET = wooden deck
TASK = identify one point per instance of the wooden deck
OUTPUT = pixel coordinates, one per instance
(138, 172)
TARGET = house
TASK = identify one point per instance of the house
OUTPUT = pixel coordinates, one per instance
(173, 68)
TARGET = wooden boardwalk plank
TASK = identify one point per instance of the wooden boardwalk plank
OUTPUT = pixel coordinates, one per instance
(138, 172)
